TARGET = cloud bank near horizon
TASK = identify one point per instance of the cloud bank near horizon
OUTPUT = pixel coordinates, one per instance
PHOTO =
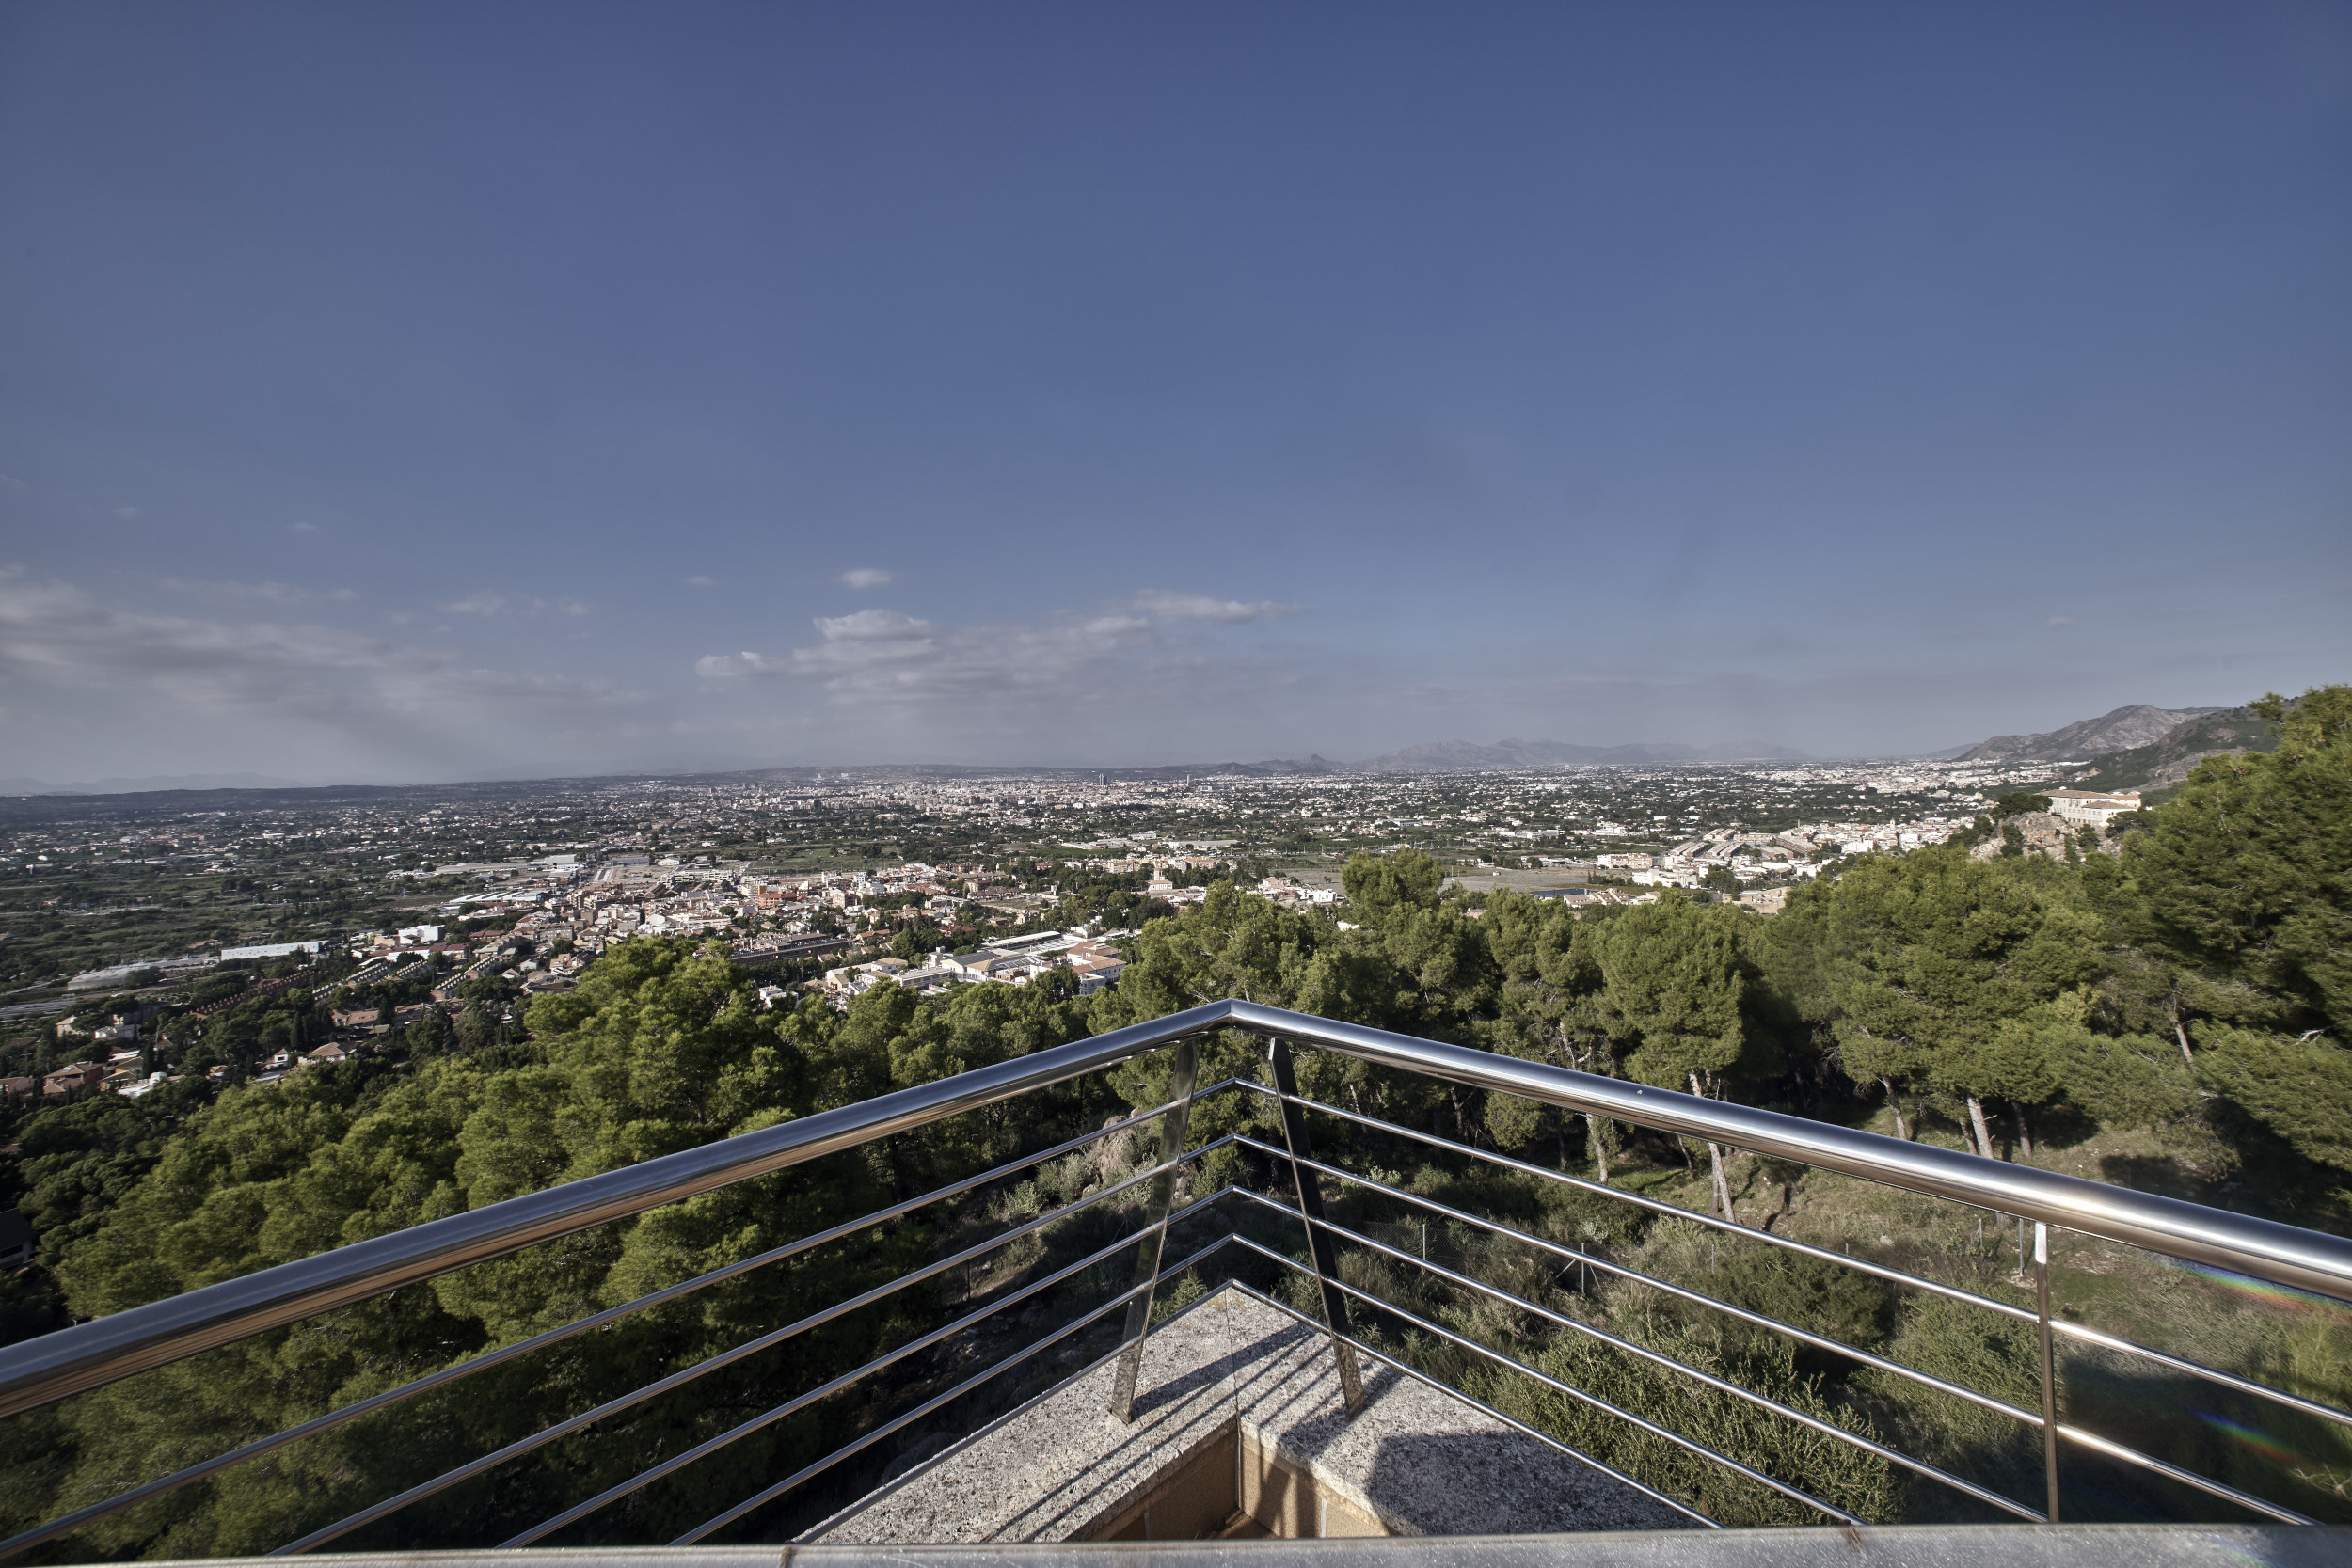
(278, 679)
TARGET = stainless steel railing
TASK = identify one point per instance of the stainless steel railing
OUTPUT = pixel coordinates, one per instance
(2044, 1419)
(92, 1354)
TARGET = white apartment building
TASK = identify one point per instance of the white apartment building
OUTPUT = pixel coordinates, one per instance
(2091, 807)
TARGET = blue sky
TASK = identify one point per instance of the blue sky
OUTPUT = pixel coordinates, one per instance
(421, 392)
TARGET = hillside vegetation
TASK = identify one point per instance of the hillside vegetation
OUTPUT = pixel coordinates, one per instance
(2170, 1009)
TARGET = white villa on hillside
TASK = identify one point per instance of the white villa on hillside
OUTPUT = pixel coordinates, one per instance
(2093, 808)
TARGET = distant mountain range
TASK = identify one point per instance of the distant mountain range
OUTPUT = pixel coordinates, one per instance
(2122, 729)
(2133, 748)
(1463, 756)
(2167, 761)
(2136, 747)
(128, 787)
(2139, 746)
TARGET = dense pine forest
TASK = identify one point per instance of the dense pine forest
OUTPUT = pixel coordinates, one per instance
(2169, 1005)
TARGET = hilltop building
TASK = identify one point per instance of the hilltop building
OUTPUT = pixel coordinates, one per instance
(2092, 808)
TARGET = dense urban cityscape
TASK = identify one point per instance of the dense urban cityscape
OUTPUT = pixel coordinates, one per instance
(792, 867)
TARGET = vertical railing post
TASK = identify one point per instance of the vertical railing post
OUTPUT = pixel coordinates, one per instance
(1174, 1127)
(2049, 1365)
(1311, 1215)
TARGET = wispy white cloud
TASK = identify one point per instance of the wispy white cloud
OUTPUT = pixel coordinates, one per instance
(888, 656)
(1165, 606)
(720, 667)
(888, 659)
(292, 683)
(702, 582)
(865, 577)
(505, 606)
(265, 593)
(2059, 621)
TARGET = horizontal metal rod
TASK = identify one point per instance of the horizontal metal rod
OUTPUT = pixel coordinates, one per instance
(1860, 1265)
(101, 1350)
(2148, 1462)
(2077, 1331)
(2073, 1330)
(770, 1493)
(688, 1374)
(1512, 1421)
(95, 1353)
(2106, 1446)
(1764, 1401)
(2193, 1369)
(2306, 1259)
(798, 1402)
(1557, 1386)
(1672, 1211)
(90, 1355)
(71, 1522)
(836, 1456)
(1557, 1250)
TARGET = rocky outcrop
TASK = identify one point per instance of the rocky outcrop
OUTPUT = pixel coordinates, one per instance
(2044, 833)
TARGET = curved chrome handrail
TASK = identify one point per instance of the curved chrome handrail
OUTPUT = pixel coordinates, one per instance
(96, 1352)
(2285, 1254)
(101, 1350)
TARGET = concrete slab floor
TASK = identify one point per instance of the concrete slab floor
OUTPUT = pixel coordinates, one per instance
(1416, 1461)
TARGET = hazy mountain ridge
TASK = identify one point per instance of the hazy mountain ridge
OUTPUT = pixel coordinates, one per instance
(1308, 766)
(141, 786)
(1462, 756)
(206, 791)
(1465, 756)
(2122, 729)
(2139, 746)
(2215, 733)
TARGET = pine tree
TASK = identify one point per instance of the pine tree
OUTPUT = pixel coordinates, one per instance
(2241, 889)
(1941, 962)
(1676, 977)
